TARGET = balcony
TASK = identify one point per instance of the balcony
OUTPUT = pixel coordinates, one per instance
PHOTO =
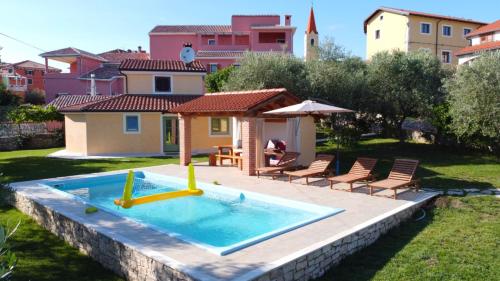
(17, 88)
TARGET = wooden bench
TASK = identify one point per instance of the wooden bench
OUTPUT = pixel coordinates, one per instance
(237, 158)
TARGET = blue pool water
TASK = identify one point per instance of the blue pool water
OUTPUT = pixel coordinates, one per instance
(223, 220)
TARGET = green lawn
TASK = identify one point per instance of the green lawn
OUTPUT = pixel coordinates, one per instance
(457, 241)
(440, 167)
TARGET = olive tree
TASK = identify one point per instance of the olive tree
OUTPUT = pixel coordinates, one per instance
(474, 100)
(403, 85)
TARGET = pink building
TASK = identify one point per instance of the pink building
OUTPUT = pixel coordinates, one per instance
(85, 66)
(219, 46)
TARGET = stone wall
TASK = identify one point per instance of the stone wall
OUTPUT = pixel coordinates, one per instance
(114, 255)
(47, 140)
(316, 263)
(130, 263)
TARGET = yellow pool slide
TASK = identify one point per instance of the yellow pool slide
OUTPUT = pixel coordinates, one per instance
(127, 201)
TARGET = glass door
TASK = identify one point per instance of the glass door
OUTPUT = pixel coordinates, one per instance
(170, 134)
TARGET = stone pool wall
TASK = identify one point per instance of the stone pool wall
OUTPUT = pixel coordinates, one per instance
(130, 263)
(315, 263)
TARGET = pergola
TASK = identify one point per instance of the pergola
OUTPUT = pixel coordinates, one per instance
(248, 106)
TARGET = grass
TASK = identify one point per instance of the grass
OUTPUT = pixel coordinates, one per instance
(439, 168)
(458, 240)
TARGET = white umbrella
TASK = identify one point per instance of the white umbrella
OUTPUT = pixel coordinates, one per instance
(309, 107)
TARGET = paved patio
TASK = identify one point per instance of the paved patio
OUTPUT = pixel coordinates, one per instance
(361, 210)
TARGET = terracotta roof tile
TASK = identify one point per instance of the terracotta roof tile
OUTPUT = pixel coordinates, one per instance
(132, 103)
(72, 100)
(161, 65)
(240, 101)
(70, 51)
(34, 65)
(492, 27)
(478, 48)
(415, 13)
(191, 29)
(311, 23)
(105, 72)
(117, 56)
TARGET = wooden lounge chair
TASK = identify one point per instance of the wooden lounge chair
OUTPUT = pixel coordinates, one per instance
(360, 171)
(318, 167)
(401, 175)
(286, 161)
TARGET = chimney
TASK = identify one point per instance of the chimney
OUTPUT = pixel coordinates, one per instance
(93, 90)
(288, 20)
(139, 48)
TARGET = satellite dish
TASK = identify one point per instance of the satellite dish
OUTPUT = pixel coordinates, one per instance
(187, 54)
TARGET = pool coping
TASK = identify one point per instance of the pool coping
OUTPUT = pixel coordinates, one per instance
(197, 274)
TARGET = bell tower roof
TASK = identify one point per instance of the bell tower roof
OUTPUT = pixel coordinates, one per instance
(311, 23)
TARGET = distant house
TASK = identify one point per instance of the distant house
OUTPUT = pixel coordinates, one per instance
(484, 39)
(219, 46)
(390, 29)
(25, 76)
(85, 67)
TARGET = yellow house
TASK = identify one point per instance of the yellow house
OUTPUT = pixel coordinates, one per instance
(166, 111)
(390, 29)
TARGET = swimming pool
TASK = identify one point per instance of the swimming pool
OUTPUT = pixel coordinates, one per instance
(222, 221)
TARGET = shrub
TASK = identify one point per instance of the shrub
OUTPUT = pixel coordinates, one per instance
(7, 98)
(34, 113)
(214, 82)
(36, 97)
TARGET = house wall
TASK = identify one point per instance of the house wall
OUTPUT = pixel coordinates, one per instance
(76, 133)
(36, 77)
(142, 83)
(201, 141)
(440, 42)
(393, 33)
(105, 134)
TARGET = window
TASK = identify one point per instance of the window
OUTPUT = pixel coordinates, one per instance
(11, 70)
(425, 28)
(467, 31)
(212, 67)
(220, 126)
(381, 17)
(312, 41)
(447, 30)
(280, 41)
(29, 72)
(30, 81)
(131, 124)
(445, 56)
(163, 84)
(236, 65)
(211, 42)
(377, 34)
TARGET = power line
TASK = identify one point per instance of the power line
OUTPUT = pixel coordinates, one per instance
(22, 42)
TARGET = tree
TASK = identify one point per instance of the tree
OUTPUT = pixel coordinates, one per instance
(214, 82)
(474, 99)
(328, 50)
(35, 96)
(272, 70)
(403, 85)
(7, 98)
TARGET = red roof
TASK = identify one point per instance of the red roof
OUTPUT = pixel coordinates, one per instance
(161, 65)
(34, 65)
(132, 103)
(118, 55)
(311, 23)
(71, 100)
(71, 52)
(489, 46)
(492, 27)
(191, 29)
(241, 101)
(415, 13)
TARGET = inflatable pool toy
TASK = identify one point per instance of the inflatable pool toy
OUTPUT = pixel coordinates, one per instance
(127, 201)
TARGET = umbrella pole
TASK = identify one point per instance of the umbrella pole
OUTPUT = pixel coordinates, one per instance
(337, 162)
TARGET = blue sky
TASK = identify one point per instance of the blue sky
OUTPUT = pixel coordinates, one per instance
(97, 25)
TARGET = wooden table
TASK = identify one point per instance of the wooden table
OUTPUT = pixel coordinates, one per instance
(222, 156)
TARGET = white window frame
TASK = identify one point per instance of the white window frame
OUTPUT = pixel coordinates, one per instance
(430, 28)
(125, 115)
(30, 71)
(449, 51)
(211, 40)
(451, 30)
(28, 80)
(154, 84)
(463, 31)
(377, 32)
(229, 131)
(210, 66)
